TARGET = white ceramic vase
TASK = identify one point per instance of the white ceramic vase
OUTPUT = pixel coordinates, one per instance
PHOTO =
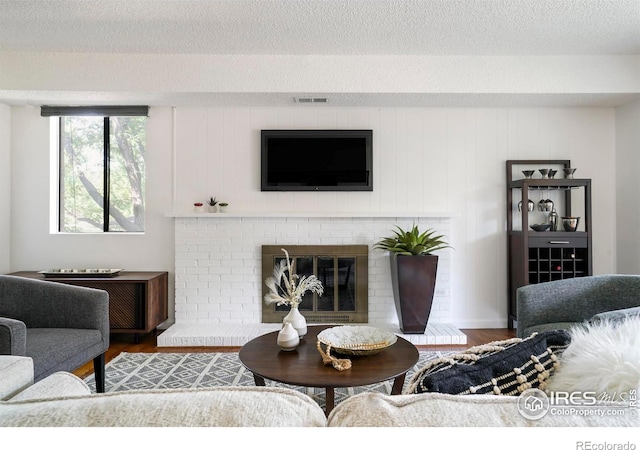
(288, 338)
(297, 320)
(213, 208)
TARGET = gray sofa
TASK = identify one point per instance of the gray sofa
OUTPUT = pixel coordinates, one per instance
(61, 327)
(563, 304)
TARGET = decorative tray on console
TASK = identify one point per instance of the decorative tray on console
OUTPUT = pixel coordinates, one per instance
(356, 340)
(89, 273)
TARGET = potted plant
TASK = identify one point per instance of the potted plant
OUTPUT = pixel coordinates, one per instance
(197, 207)
(223, 207)
(212, 204)
(413, 274)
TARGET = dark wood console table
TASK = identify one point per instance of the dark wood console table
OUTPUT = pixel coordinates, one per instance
(138, 301)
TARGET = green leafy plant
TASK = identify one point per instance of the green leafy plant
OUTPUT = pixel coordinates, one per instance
(212, 201)
(412, 242)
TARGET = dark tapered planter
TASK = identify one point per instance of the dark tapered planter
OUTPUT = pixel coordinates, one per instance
(414, 280)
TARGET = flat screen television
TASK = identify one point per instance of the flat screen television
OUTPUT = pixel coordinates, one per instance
(316, 160)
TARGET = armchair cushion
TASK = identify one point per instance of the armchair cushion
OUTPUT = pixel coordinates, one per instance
(61, 348)
(618, 315)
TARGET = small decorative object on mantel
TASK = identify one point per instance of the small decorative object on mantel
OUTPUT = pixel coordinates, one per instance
(288, 288)
(288, 338)
(223, 207)
(198, 207)
(212, 204)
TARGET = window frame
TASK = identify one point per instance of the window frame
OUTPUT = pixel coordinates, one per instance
(106, 113)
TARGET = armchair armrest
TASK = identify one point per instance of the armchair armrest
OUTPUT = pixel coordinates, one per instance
(13, 337)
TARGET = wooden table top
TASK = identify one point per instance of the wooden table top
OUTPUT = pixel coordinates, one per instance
(304, 367)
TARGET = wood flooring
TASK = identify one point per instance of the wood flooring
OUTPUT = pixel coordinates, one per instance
(147, 344)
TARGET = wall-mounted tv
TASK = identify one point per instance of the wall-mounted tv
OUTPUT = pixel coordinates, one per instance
(316, 160)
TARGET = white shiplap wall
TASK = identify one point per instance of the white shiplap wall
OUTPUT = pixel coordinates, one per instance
(425, 160)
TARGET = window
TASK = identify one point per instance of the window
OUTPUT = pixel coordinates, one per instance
(101, 172)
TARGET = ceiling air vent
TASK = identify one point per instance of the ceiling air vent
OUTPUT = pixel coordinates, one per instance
(310, 99)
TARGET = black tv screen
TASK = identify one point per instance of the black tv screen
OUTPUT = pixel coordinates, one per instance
(316, 160)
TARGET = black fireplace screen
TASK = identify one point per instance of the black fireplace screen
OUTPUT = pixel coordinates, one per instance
(343, 271)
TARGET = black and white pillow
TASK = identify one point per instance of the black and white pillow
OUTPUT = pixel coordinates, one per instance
(507, 367)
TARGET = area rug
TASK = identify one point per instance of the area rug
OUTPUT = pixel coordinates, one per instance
(132, 371)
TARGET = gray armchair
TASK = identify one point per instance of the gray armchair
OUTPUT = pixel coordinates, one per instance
(61, 327)
(565, 303)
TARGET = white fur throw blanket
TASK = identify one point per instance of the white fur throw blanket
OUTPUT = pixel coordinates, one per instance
(602, 358)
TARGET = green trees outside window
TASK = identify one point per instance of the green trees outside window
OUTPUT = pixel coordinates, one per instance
(102, 174)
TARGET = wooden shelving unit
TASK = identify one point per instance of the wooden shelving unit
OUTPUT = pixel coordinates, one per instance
(538, 257)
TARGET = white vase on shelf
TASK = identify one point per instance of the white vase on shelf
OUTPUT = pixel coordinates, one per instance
(213, 208)
(298, 321)
(288, 338)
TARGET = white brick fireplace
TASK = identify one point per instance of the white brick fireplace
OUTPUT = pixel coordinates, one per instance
(218, 280)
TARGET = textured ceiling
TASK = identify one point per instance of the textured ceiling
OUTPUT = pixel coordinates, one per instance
(324, 27)
(419, 27)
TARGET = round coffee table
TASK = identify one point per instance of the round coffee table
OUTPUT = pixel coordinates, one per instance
(304, 366)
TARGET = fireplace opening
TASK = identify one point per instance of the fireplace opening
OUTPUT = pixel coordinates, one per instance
(343, 271)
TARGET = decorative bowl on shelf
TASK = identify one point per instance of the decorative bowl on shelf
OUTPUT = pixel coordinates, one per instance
(570, 223)
(568, 172)
(540, 226)
(356, 340)
(528, 174)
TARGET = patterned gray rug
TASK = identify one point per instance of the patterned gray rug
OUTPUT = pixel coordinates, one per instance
(129, 371)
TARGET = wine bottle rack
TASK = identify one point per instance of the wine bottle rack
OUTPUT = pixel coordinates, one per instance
(550, 264)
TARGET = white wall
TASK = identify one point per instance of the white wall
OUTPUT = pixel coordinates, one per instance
(438, 159)
(628, 187)
(425, 159)
(5, 188)
(33, 247)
